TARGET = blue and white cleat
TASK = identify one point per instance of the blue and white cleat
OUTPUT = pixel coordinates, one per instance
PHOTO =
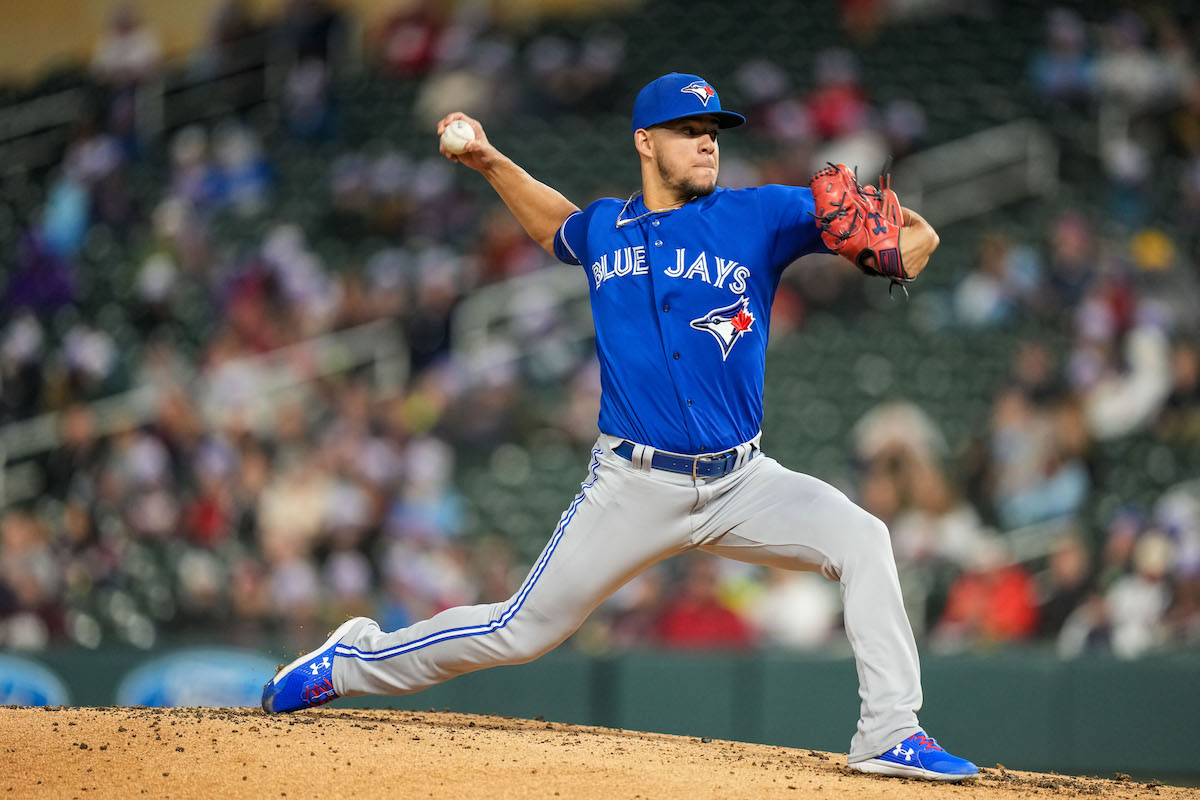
(919, 756)
(307, 682)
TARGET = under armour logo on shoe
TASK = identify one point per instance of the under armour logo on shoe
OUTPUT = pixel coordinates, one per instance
(316, 668)
(899, 750)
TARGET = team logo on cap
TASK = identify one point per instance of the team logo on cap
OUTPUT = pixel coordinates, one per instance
(727, 324)
(702, 91)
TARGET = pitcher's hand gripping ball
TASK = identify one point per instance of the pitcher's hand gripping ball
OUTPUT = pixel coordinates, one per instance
(456, 136)
(858, 222)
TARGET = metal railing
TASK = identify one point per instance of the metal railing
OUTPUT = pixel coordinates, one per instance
(980, 172)
(33, 132)
(501, 312)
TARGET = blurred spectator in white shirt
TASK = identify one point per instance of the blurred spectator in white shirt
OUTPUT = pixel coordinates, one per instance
(994, 291)
(797, 610)
(1138, 602)
(936, 526)
(128, 53)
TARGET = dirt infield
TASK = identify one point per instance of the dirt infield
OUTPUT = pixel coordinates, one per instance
(328, 753)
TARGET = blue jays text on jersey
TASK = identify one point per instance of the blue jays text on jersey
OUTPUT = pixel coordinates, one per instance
(632, 261)
(681, 301)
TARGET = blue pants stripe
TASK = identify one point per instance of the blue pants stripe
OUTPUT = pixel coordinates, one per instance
(506, 617)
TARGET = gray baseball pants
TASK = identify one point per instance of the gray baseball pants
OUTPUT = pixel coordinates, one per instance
(627, 517)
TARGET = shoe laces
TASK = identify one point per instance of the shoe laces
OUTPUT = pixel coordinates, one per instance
(926, 742)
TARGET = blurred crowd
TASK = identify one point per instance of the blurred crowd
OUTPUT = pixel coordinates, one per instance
(1135, 75)
(238, 508)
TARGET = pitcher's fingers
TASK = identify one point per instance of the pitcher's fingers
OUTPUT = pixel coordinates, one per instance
(911, 217)
(446, 120)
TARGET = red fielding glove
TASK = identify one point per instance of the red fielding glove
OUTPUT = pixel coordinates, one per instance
(860, 221)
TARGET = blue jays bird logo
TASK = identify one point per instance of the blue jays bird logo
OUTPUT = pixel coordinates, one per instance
(701, 89)
(727, 324)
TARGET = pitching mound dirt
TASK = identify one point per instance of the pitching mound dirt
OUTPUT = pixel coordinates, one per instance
(328, 753)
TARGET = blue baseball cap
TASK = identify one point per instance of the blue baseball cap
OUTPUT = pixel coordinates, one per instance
(677, 95)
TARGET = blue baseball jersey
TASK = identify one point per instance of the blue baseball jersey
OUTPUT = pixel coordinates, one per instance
(681, 302)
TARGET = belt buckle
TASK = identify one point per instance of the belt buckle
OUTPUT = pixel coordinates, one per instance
(712, 459)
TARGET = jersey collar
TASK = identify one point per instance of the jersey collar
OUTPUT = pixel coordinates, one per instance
(635, 209)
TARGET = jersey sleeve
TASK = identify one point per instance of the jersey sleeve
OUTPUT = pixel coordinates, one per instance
(570, 240)
(787, 212)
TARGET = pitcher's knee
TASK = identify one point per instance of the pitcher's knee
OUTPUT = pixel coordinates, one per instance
(869, 536)
(521, 643)
(878, 532)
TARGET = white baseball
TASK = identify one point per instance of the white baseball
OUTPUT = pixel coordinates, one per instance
(456, 136)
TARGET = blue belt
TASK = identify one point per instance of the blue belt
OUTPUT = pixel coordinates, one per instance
(696, 466)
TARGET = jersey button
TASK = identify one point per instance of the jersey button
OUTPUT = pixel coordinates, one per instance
(666, 307)
(677, 358)
(658, 243)
(655, 223)
(689, 401)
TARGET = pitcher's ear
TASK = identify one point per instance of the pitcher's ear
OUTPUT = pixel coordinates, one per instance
(643, 142)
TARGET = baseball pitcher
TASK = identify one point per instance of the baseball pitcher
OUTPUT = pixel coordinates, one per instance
(682, 276)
